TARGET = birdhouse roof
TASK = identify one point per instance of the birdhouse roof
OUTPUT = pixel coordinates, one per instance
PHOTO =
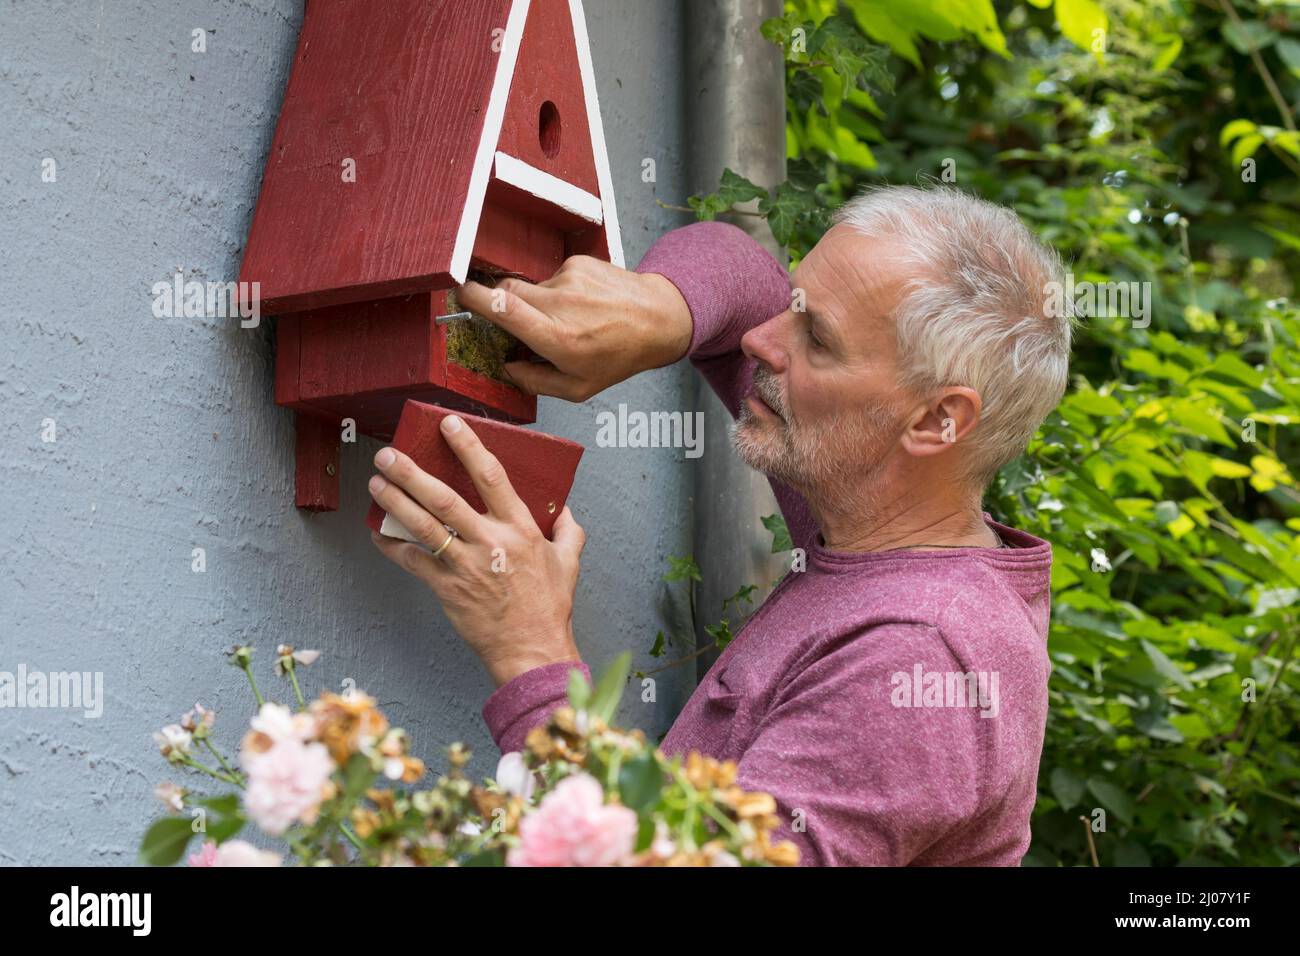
(399, 120)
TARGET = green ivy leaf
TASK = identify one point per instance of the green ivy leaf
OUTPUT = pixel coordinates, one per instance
(784, 31)
(736, 189)
(784, 211)
(721, 633)
(707, 208)
(732, 191)
(744, 595)
(853, 58)
(781, 540)
(682, 569)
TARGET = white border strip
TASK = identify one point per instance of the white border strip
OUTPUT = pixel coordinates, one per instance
(552, 189)
(603, 178)
(487, 144)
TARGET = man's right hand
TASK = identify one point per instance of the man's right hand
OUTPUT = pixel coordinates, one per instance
(594, 323)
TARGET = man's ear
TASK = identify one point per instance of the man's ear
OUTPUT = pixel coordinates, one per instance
(947, 420)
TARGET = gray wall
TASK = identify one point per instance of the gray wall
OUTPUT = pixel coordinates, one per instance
(168, 439)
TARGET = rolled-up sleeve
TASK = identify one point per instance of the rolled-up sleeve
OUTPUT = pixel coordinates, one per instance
(527, 701)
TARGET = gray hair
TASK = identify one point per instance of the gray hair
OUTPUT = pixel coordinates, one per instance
(975, 313)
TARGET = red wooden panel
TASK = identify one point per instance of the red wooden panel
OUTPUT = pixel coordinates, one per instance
(592, 241)
(541, 467)
(363, 362)
(377, 413)
(287, 345)
(316, 483)
(510, 242)
(402, 88)
(548, 72)
(488, 397)
(372, 346)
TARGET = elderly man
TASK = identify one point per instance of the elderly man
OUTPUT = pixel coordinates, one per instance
(892, 696)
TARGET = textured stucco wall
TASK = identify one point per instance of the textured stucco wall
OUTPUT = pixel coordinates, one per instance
(168, 440)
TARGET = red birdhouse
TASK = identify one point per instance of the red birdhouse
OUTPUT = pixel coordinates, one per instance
(420, 143)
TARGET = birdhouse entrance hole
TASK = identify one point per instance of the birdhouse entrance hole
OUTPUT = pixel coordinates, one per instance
(548, 129)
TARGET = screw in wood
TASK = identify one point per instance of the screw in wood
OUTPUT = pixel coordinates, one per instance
(329, 470)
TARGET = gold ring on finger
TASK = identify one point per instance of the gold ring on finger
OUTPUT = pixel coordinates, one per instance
(443, 547)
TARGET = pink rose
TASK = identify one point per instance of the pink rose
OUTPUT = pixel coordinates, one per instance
(573, 826)
(279, 724)
(233, 853)
(242, 853)
(286, 784)
(207, 855)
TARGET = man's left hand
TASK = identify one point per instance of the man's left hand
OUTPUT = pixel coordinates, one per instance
(506, 589)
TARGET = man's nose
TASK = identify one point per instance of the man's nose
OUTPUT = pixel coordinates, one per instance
(766, 343)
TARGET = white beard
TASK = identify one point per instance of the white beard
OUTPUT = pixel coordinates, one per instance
(825, 460)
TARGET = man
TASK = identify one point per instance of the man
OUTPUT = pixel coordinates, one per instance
(892, 697)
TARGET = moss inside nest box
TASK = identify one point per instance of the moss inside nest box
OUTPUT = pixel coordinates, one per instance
(478, 345)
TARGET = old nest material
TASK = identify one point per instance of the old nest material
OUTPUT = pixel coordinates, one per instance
(478, 345)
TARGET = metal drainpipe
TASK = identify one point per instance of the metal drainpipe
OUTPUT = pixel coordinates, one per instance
(736, 115)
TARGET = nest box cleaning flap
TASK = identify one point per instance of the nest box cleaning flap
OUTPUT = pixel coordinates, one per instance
(540, 467)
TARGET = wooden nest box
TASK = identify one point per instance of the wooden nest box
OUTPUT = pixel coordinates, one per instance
(420, 143)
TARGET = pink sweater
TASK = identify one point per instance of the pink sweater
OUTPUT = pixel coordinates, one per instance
(892, 702)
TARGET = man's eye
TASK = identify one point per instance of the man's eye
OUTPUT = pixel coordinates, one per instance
(812, 337)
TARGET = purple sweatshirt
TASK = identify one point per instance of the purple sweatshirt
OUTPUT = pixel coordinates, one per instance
(893, 703)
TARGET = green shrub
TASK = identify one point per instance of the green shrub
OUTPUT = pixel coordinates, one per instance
(1149, 142)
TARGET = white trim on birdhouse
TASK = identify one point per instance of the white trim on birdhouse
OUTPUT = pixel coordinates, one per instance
(530, 179)
(604, 180)
(487, 144)
(552, 189)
